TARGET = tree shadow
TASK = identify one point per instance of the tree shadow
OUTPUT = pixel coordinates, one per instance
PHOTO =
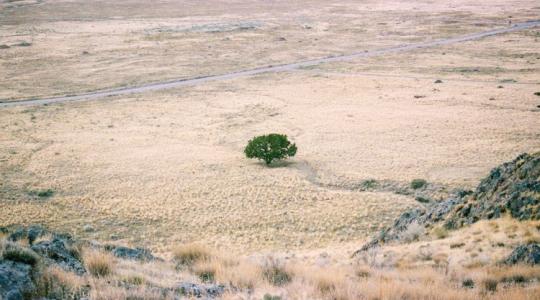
(277, 164)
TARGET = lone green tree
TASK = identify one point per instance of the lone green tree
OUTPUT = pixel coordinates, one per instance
(270, 147)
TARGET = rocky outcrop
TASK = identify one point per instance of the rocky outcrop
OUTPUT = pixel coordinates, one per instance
(513, 188)
(524, 254)
(426, 217)
(15, 280)
(62, 253)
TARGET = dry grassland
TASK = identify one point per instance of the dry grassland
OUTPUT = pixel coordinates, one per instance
(166, 168)
(432, 268)
(87, 45)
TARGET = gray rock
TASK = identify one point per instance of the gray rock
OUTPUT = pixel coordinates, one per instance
(18, 234)
(56, 251)
(31, 233)
(15, 280)
(34, 232)
(200, 290)
(524, 254)
(139, 254)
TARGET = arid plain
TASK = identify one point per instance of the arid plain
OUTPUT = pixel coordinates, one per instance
(163, 168)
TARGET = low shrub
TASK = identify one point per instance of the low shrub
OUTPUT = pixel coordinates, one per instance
(370, 184)
(418, 183)
(270, 297)
(20, 254)
(42, 193)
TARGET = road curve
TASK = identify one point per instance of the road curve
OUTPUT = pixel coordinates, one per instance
(279, 68)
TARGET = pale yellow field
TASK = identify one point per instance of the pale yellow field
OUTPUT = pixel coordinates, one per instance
(87, 45)
(159, 168)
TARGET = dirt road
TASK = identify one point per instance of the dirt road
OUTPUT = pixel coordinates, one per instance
(279, 68)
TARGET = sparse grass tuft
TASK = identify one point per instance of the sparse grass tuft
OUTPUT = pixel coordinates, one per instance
(275, 273)
(369, 184)
(440, 232)
(242, 274)
(490, 285)
(206, 270)
(99, 264)
(134, 280)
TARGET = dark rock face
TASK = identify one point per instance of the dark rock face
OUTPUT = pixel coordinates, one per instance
(513, 188)
(57, 251)
(426, 217)
(524, 254)
(18, 234)
(34, 232)
(139, 254)
(200, 290)
(15, 280)
(31, 233)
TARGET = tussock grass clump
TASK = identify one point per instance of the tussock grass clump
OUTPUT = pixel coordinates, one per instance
(133, 280)
(99, 264)
(440, 232)
(20, 254)
(55, 283)
(242, 274)
(467, 283)
(490, 285)
(189, 254)
(275, 273)
(328, 283)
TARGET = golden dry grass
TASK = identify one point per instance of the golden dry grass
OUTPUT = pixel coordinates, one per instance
(310, 274)
(189, 254)
(99, 264)
(163, 168)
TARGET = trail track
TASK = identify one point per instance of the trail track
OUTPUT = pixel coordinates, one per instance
(280, 68)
